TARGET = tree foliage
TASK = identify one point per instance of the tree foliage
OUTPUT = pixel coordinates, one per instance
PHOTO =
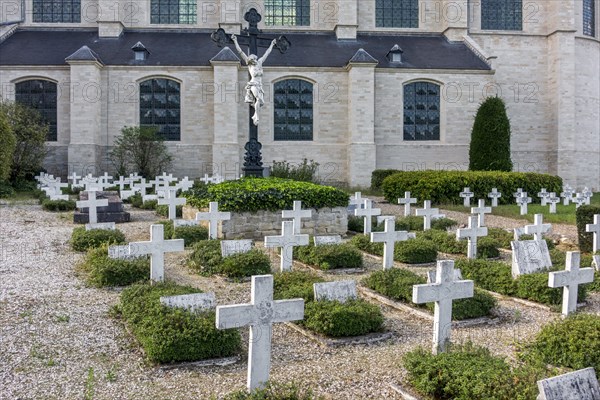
(490, 138)
(9, 141)
(140, 149)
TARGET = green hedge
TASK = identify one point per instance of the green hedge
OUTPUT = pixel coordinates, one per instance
(378, 176)
(101, 271)
(190, 234)
(206, 259)
(58, 205)
(83, 240)
(412, 223)
(172, 334)
(502, 236)
(442, 187)
(272, 194)
(468, 372)
(397, 284)
(585, 215)
(330, 256)
(412, 251)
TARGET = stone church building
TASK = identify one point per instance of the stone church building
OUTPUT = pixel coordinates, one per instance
(366, 84)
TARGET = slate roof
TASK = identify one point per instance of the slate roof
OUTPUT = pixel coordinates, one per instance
(362, 56)
(195, 48)
(83, 54)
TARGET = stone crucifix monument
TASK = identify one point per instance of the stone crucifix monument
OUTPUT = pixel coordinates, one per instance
(250, 37)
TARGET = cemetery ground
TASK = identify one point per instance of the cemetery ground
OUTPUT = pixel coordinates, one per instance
(60, 340)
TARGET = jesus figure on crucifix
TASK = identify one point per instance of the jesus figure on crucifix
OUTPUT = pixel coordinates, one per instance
(254, 90)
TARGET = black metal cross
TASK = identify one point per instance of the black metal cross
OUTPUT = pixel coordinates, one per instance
(253, 165)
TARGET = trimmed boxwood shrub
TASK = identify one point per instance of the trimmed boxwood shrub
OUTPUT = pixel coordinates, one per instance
(329, 256)
(414, 223)
(101, 271)
(502, 236)
(490, 138)
(271, 194)
(468, 372)
(173, 334)
(584, 216)
(168, 228)
(275, 391)
(573, 343)
(58, 205)
(82, 240)
(206, 259)
(295, 284)
(487, 247)
(413, 251)
(335, 319)
(442, 187)
(445, 243)
(190, 234)
(163, 211)
(379, 175)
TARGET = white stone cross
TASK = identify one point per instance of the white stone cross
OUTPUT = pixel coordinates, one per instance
(206, 179)
(287, 241)
(104, 179)
(172, 201)
(481, 210)
(56, 187)
(494, 195)
(595, 229)
(297, 214)
(538, 228)
(161, 188)
(471, 234)
(442, 292)
(260, 314)
(142, 186)
(427, 213)
(213, 216)
(517, 194)
(122, 182)
(357, 200)
(407, 201)
(74, 178)
(523, 201)
(368, 212)
(389, 237)
(580, 200)
(133, 178)
(166, 178)
(553, 200)
(543, 195)
(567, 195)
(185, 184)
(92, 205)
(587, 193)
(570, 279)
(466, 194)
(156, 249)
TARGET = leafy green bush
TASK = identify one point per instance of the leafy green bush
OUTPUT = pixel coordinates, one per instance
(502, 236)
(490, 138)
(535, 287)
(206, 257)
(253, 262)
(415, 251)
(585, 215)
(58, 205)
(330, 256)
(305, 172)
(168, 229)
(149, 205)
(101, 271)
(163, 211)
(355, 224)
(335, 319)
(573, 342)
(272, 194)
(173, 334)
(9, 143)
(468, 372)
(414, 223)
(363, 242)
(443, 187)
(444, 242)
(274, 391)
(82, 240)
(6, 190)
(140, 149)
(487, 247)
(295, 284)
(378, 176)
(190, 234)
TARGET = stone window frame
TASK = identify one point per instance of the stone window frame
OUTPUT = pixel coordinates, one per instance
(436, 138)
(44, 111)
(287, 12)
(173, 12)
(589, 14)
(168, 136)
(280, 136)
(490, 9)
(397, 13)
(56, 11)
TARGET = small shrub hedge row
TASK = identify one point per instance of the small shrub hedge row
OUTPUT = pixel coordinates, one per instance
(163, 211)
(137, 202)
(271, 194)
(101, 271)
(442, 187)
(330, 256)
(58, 205)
(329, 318)
(487, 247)
(172, 334)
(397, 284)
(83, 240)
(584, 216)
(411, 224)
(190, 234)
(413, 251)
(206, 259)
(274, 391)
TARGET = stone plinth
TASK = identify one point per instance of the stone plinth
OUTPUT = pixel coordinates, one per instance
(114, 212)
(257, 225)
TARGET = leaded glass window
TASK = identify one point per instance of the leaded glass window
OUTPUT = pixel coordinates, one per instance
(287, 12)
(504, 15)
(421, 111)
(397, 13)
(293, 108)
(160, 107)
(57, 11)
(173, 12)
(41, 95)
(589, 18)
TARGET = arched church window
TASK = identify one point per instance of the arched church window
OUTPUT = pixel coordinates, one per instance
(293, 110)
(41, 95)
(64, 11)
(160, 107)
(397, 13)
(287, 12)
(421, 111)
(502, 15)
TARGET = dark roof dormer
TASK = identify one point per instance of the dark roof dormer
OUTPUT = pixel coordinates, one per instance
(394, 56)
(140, 51)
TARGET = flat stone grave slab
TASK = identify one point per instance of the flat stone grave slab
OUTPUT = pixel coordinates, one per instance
(114, 212)
(120, 253)
(341, 291)
(321, 240)
(529, 256)
(231, 247)
(196, 302)
(185, 222)
(578, 385)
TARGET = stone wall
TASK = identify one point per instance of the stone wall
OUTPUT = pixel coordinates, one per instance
(257, 225)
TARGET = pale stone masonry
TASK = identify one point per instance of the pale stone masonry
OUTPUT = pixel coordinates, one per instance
(547, 73)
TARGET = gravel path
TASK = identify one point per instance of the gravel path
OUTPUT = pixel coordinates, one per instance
(58, 341)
